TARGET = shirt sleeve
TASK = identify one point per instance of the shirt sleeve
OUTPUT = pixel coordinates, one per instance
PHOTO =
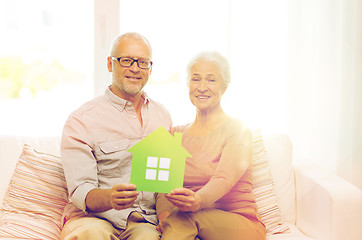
(234, 161)
(79, 164)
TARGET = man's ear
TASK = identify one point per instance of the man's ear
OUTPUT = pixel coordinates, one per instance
(109, 64)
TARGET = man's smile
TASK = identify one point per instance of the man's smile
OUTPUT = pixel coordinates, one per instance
(133, 78)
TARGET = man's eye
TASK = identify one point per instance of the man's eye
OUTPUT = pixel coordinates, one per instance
(195, 79)
(126, 60)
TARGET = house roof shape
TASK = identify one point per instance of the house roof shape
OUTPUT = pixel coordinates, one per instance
(160, 144)
(161, 141)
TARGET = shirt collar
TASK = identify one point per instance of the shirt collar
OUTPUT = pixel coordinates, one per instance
(120, 102)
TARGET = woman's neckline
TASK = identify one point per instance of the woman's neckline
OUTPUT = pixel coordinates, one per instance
(206, 132)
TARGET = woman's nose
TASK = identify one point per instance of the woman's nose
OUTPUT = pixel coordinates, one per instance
(202, 86)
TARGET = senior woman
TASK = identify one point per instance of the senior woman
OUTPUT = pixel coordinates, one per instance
(216, 201)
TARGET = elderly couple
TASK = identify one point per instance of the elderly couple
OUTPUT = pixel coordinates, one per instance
(216, 201)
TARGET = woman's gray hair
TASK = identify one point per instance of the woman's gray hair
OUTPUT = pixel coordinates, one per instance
(215, 57)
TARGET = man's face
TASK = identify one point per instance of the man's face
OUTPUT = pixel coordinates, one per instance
(127, 82)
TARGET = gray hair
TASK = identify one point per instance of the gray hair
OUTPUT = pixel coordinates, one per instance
(129, 35)
(213, 56)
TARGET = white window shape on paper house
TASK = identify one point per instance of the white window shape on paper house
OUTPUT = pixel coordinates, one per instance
(158, 168)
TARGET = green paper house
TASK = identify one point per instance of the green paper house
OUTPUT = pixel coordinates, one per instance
(158, 162)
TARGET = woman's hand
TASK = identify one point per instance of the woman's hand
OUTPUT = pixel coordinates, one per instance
(185, 199)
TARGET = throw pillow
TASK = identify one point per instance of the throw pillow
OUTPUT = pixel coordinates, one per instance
(263, 188)
(34, 202)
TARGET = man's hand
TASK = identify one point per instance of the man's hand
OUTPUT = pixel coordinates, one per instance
(120, 196)
(185, 199)
(123, 196)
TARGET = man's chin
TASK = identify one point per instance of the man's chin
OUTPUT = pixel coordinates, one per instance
(133, 90)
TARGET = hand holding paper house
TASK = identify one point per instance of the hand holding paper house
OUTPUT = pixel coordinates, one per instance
(158, 162)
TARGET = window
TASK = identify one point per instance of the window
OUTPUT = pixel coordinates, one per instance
(46, 63)
(158, 168)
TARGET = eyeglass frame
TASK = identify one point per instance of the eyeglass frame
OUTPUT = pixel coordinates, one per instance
(118, 59)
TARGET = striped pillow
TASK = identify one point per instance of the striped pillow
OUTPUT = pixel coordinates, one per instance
(263, 189)
(35, 199)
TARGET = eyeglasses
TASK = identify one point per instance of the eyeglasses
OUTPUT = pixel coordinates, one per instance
(128, 62)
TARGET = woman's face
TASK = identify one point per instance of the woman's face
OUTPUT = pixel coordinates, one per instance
(206, 85)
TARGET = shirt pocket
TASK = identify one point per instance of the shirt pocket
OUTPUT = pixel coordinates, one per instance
(113, 158)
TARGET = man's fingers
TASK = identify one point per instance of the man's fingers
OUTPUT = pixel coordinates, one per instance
(123, 196)
(123, 203)
(124, 187)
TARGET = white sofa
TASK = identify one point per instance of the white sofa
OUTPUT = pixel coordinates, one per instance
(314, 204)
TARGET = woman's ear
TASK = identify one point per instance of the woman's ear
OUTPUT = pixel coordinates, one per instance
(223, 88)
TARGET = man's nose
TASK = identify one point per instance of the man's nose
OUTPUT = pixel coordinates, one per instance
(134, 66)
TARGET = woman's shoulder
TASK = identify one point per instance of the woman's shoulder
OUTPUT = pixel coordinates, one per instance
(236, 127)
(179, 128)
(236, 124)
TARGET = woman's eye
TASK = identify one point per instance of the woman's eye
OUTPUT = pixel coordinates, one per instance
(212, 80)
(195, 79)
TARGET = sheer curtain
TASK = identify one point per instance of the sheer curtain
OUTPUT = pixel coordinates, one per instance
(324, 92)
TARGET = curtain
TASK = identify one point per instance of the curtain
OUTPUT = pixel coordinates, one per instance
(324, 86)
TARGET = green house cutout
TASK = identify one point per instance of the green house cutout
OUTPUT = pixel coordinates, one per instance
(158, 162)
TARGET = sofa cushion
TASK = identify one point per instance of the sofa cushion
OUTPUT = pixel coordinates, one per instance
(34, 201)
(12, 146)
(263, 189)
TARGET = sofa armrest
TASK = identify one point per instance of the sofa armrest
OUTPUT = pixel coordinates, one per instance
(328, 207)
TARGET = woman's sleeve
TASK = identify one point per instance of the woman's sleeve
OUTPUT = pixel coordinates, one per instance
(234, 161)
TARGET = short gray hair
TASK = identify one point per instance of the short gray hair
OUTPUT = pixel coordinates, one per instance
(213, 56)
(130, 35)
